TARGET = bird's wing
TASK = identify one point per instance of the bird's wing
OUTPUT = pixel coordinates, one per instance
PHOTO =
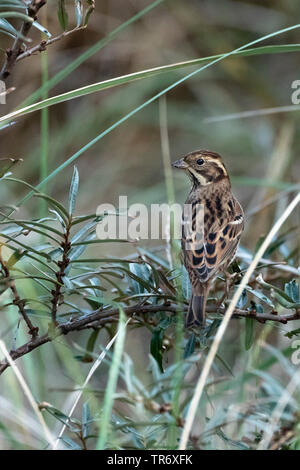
(204, 253)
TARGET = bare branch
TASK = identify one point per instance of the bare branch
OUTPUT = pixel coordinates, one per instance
(99, 318)
(13, 53)
(42, 46)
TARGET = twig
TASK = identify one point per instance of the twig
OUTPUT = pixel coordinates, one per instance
(32, 330)
(286, 435)
(13, 53)
(100, 318)
(44, 44)
(63, 264)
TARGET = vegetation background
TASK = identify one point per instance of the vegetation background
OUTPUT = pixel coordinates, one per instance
(240, 107)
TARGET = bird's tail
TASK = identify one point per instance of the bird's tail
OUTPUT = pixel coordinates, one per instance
(197, 306)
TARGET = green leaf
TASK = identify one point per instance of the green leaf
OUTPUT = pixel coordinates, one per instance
(260, 295)
(89, 11)
(112, 383)
(58, 217)
(57, 205)
(186, 284)
(41, 28)
(76, 252)
(281, 299)
(156, 343)
(242, 300)
(139, 278)
(292, 290)
(239, 444)
(72, 424)
(78, 12)
(86, 419)
(190, 346)
(95, 87)
(6, 27)
(213, 327)
(224, 363)
(28, 248)
(62, 14)
(79, 219)
(70, 443)
(83, 231)
(94, 301)
(90, 345)
(12, 14)
(275, 290)
(14, 258)
(73, 190)
(156, 346)
(234, 267)
(292, 333)
(8, 165)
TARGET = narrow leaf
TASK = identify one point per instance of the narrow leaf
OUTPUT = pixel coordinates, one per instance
(78, 12)
(73, 190)
(41, 28)
(62, 14)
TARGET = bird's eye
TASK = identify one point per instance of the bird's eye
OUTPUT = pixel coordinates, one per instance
(200, 161)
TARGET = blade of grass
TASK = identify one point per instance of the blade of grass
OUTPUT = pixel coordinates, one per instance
(222, 328)
(46, 87)
(171, 253)
(252, 113)
(104, 85)
(278, 411)
(112, 383)
(166, 158)
(93, 369)
(149, 101)
(27, 393)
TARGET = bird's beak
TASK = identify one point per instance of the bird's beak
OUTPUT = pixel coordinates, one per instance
(181, 164)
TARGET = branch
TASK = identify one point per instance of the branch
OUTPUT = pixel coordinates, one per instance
(99, 318)
(42, 46)
(32, 330)
(13, 53)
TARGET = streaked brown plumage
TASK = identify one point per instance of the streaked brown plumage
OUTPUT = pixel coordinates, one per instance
(208, 248)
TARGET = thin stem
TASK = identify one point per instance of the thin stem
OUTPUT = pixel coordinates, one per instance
(42, 47)
(44, 129)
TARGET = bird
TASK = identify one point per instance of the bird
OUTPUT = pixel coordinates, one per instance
(212, 225)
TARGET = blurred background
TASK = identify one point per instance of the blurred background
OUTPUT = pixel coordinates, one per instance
(204, 112)
(228, 108)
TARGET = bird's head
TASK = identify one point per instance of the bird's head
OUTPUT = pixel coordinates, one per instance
(203, 167)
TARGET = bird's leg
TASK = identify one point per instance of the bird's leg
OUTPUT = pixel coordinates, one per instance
(228, 282)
